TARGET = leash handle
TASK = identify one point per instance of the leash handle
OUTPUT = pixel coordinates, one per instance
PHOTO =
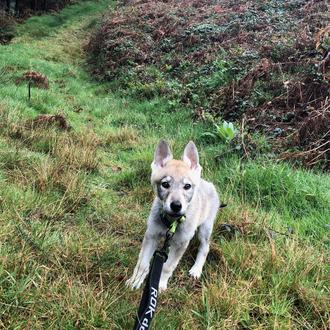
(149, 298)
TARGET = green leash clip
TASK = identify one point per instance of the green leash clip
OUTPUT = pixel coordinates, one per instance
(175, 223)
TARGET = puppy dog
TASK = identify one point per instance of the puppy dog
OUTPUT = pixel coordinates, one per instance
(180, 191)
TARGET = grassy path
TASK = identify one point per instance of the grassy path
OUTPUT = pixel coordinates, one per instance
(73, 205)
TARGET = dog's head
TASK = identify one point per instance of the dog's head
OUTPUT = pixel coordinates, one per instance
(175, 181)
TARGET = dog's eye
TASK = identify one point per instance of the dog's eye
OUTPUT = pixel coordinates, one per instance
(165, 185)
(187, 186)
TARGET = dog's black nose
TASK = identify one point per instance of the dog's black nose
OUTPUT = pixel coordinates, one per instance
(176, 206)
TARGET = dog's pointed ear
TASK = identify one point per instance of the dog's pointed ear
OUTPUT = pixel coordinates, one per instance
(190, 155)
(163, 154)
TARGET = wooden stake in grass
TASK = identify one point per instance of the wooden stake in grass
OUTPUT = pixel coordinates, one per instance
(29, 89)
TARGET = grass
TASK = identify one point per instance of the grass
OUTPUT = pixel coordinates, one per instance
(73, 205)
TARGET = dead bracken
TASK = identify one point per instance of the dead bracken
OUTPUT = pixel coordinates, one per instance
(49, 120)
(37, 79)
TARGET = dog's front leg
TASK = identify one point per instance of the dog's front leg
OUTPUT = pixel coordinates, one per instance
(141, 269)
(176, 252)
(204, 234)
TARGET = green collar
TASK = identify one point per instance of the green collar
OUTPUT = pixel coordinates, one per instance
(171, 223)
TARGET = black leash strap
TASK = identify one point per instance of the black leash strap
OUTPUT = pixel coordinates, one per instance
(148, 302)
(149, 298)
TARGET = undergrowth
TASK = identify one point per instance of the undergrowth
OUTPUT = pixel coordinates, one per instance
(265, 62)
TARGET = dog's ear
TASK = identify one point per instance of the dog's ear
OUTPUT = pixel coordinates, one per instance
(190, 155)
(163, 154)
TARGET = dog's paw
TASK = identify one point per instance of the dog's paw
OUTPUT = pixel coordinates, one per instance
(162, 286)
(129, 282)
(135, 282)
(195, 272)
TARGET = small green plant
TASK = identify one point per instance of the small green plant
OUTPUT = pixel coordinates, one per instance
(226, 132)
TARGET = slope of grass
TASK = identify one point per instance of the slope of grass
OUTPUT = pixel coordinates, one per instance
(73, 205)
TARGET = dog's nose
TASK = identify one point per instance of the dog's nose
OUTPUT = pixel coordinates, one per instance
(176, 206)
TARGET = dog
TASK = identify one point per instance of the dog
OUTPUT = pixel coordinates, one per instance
(180, 191)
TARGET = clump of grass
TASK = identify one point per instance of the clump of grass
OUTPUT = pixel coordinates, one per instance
(50, 177)
(125, 135)
(77, 150)
(13, 159)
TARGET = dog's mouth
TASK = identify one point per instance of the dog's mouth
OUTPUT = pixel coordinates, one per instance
(174, 215)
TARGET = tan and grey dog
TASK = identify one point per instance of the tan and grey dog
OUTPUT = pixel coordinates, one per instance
(180, 192)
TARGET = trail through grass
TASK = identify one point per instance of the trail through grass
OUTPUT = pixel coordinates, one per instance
(73, 205)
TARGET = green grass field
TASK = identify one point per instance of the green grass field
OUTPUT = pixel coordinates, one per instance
(73, 205)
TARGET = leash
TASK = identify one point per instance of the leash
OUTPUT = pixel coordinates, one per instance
(149, 298)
